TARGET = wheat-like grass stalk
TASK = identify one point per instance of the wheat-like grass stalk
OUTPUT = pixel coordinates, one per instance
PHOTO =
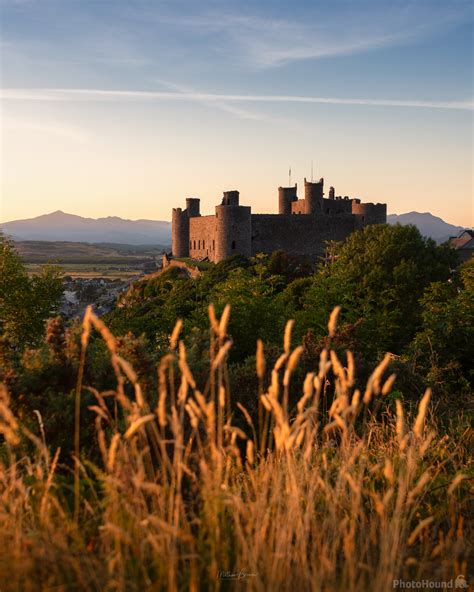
(321, 494)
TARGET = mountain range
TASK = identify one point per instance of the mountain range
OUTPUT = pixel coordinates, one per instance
(59, 226)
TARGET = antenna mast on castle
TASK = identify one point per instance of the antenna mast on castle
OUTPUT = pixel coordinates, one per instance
(289, 177)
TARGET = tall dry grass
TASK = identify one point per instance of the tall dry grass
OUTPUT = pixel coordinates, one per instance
(321, 493)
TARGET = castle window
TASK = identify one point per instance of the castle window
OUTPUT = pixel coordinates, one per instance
(194, 244)
(203, 244)
(199, 244)
(233, 245)
(213, 244)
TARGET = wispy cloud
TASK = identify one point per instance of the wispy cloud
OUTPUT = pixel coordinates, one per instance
(322, 32)
(219, 99)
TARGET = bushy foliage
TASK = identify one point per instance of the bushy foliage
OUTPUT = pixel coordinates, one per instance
(25, 303)
(443, 348)
(377, 276)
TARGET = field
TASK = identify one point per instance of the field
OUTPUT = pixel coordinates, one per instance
(84, 260)
(124, 270)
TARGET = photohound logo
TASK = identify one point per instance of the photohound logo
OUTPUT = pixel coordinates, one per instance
(459, 583)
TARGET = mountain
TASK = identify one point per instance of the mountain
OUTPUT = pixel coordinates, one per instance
(427, 224)
(59, 226)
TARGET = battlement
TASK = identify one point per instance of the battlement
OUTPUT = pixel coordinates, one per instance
(301, 227)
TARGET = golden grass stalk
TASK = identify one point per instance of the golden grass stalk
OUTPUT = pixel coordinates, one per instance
(325, 493)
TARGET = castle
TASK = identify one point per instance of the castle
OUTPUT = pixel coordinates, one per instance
(301, 227)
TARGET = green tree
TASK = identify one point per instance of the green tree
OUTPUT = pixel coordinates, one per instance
(257, 310)
(442, 349)
(378, 276)
(25, 303)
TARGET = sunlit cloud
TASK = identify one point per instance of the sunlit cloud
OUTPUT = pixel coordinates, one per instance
(219, 99)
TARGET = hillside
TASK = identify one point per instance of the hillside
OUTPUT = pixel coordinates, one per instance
(60, 226)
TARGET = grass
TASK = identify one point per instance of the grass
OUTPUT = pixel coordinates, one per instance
(328, 491)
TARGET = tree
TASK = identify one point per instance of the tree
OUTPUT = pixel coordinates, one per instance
(25, 303)
(442, 349)
(378, 276)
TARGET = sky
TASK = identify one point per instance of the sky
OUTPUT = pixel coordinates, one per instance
(125, 108)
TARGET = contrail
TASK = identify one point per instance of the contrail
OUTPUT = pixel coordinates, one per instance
(83, 94)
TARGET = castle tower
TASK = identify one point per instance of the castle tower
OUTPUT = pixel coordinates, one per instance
(369, 213)
(286, 195)
(313, 196)
(180, 233)
(233, 228)
(230, 198)
(331, 193)
(193, 206)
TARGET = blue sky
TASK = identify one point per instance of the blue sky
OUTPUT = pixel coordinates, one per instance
(126, 108)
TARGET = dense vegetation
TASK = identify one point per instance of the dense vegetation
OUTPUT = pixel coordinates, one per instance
(215, 444)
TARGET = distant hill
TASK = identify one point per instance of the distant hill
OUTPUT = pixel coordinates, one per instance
(59, 226)
(427, 224)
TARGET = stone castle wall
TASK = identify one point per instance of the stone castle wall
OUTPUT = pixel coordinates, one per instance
(298, 235)
(202, 237)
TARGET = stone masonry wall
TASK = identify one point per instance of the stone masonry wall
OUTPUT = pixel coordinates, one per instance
(302, 235)
(202, 235)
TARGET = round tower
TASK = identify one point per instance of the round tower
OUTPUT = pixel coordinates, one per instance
(286, 195)
(193, 206)
(313, 196)
(180, 233)
(233, 231)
